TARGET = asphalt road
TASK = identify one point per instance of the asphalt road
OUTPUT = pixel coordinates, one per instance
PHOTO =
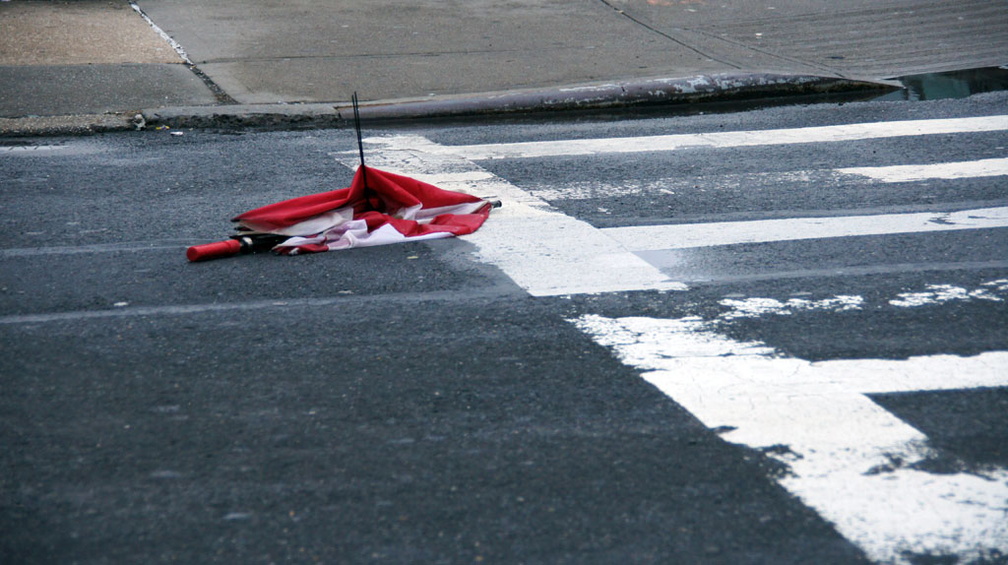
(452, 402)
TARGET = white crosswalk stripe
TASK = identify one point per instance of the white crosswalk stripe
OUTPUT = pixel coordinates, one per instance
(913, 173)
(822, 134)
(682, 236)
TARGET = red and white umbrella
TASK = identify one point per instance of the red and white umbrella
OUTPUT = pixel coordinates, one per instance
(377, 208)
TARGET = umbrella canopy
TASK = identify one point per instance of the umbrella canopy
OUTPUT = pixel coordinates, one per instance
(390, 208)
(377, 208)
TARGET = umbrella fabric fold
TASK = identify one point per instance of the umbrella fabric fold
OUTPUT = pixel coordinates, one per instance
(377, 208)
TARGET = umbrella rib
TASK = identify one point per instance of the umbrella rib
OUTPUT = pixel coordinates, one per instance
(360, 142)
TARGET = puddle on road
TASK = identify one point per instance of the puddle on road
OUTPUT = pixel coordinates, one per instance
(952, 84)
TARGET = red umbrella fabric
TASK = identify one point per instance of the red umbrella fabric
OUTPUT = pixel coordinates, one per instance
(378, 208)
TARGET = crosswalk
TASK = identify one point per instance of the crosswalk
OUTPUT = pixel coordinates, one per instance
(550, 253)
(814, 417)
(545, 251)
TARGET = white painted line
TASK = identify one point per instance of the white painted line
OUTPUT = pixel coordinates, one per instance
(820, 134)
(541, 249)
(682, 236)
(849, 459)
(912, 173)
(928, 373)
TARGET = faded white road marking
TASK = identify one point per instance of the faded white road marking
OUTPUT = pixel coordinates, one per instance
(681, 236)
(820, 134)
(122, 309)
(750, 182)
(755, 182)
(912, 173)
(849, 459)
(755, 307)
(152, 245)
(541, 249)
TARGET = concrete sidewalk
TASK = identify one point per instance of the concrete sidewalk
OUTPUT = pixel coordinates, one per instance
(241, 61)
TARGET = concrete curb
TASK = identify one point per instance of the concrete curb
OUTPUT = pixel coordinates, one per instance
(644, 93)
(653, 92)
(80, 124)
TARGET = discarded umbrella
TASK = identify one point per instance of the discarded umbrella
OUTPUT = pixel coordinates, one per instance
(377, 208)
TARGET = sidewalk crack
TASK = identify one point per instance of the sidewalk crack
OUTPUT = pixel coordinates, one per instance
(668, 36)
(218, 92)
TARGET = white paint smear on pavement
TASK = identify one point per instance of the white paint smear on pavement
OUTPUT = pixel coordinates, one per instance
(682, 236)
(820, 134)
(941, 293)
(755, 307)
(849, 459)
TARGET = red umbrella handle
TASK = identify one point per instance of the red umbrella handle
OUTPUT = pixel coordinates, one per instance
(235, 245)
(225, 248)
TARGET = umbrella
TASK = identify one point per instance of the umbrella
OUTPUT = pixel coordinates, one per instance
(377, 208)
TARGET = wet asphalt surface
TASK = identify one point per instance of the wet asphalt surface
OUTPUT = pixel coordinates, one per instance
(407, 404)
